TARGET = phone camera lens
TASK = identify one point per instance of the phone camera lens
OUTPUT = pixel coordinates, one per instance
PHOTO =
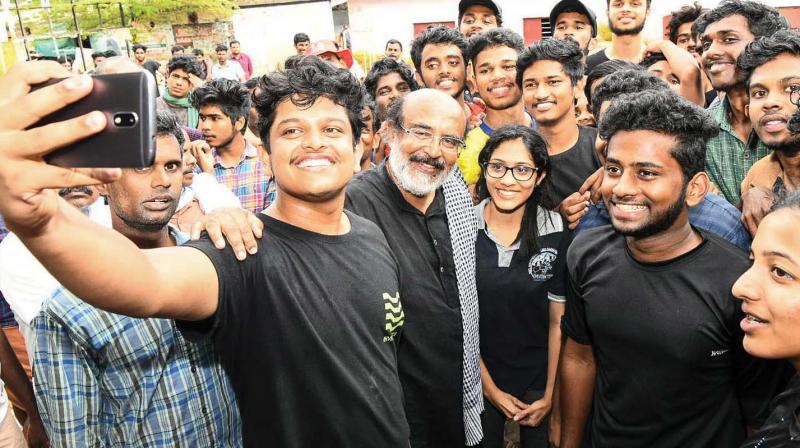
(125, 119)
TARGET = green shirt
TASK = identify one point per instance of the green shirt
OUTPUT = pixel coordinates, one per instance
(728, 158)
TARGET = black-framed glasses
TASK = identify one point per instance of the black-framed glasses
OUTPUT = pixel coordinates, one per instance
(519, 172)
(447, 143)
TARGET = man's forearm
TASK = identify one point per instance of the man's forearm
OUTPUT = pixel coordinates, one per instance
(575, 387)
(15, 378)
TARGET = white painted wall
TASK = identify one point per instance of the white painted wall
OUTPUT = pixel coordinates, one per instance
(266, 32)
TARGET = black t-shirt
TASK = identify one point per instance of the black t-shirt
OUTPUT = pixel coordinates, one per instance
(306, 332)
(595, 59)
(570, 169)
(514, 297)
(782, 428)
(671, 369)
(430, 354)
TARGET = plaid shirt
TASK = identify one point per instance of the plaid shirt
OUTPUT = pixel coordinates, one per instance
(103, 379)
(728, 159)
(248, 180)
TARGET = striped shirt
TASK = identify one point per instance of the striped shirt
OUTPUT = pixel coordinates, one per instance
(248, 180)
(104, 379)
(728, 158)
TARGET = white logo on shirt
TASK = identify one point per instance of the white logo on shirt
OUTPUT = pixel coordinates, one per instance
(719, 352)
(541, 265)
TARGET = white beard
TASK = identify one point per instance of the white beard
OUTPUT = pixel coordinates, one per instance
(416, 183)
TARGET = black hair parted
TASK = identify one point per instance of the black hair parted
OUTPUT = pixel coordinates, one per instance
(687, 14)
(220, 47)
(624, 82)
(301, 37)
(762, 20)
(385, 67)
(232, 97)
(608, 3)
(651, 59)
(766, 48)
(98, 54)
(139, 47)
(393, 41)
(600, 71)
(494, 37)
(528, 235)
(310, 79)
(167, 124)
(437, 35)
(565, 51)
(187, 63)
(110, 54)
(667, 113)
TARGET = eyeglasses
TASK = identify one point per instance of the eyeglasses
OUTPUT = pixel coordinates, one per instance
(519, 172)
(447, 143)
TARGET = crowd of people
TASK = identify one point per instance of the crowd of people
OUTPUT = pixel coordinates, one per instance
(595, 245)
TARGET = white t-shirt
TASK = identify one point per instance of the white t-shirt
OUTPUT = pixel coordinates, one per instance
(232, 71)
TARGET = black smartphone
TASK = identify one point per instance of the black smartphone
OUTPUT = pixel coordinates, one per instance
(129, 102)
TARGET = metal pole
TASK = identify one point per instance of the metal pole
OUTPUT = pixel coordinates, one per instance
(121, 14)
(78, 33)
(22, 28)
(52, 36)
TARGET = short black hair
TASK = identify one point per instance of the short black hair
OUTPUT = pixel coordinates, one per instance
(167, 124)
(687, 14)
(498, 14)
(624, 82)
(651, 59)
(176, 49)
(385, 67)
(495, 37)
(198, 52)
(393, 41)
(110, 54)
(762, 20)
(437, 35)
(310, 79)
(765, 49)
(98, 54)
(220, 47)
(139, 46)
(291, 61)
(232, 97)
(602, 70)
(667, 113)
(234, 42)
(187, 63)
(301, 37)
(608, 3)
(564, 51)
(528, 235)
(63, 58)
(791, 200)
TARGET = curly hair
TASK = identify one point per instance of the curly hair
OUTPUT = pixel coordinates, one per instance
(189, 64)
(565, 51)
(495, 37)
(528, 235)
(762, 20)
(385, 67)
(309, 80)
(624, 82)
(765, 49)
(687, 14)
(231, 97)
(600, 71)
(667, 113)
(437, 35)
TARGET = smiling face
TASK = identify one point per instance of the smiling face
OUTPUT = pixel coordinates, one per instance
(643, 187)
(477, 18)
(770, 289)
(548, 93)
(722, 42)
(302, 47)
(311, 150)
(443, 69)
(627, 17)
(388, 89)
(509, 194)
(770, 106)
(575, 26)
(495, 77)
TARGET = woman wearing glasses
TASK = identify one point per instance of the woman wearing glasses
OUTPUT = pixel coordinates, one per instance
(770, 294)
(521, 274)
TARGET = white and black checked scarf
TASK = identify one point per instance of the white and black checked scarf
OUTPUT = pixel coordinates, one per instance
(463, 228)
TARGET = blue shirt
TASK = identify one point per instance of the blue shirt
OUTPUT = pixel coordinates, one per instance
(713, 214)
(103, 379)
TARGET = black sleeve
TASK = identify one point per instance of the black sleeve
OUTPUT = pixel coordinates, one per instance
(558, 284)
(236, 282)
(573, 324)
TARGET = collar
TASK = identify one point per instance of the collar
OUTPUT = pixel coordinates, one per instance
(479, 209)
(250, 152)
(488, 130)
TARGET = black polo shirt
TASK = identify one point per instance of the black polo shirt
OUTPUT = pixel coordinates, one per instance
(430, 352)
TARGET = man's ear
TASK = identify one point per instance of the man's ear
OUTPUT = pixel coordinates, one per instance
(240, 123)
(747, 110)
(540, 178)
(697, 188)
(419, 80)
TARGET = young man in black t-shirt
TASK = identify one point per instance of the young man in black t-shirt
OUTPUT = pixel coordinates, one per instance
(549, 72)
(306, 336)
(652, 329)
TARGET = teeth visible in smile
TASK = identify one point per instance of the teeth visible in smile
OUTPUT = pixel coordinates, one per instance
(311, 163)
(754, 319)
(630, 207)
(446, 83)
(544, 106)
